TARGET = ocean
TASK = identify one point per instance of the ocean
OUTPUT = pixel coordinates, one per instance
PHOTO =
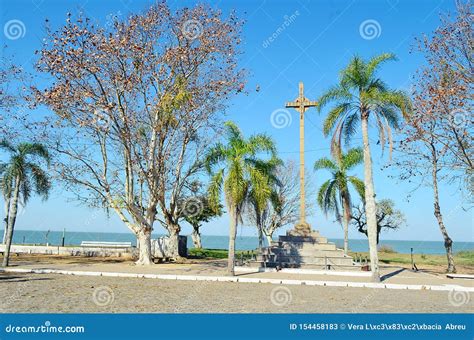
(221, 242)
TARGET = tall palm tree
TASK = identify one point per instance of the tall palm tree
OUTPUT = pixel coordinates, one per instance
(239, 173)
(334, 194)
(360, 95)
(18, 178)
(257, 203)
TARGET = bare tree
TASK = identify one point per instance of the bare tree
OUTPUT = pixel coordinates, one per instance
(438, 136)
(388, 218)
(283, 207)
(134, 106)
(13, 80)
(448, 86)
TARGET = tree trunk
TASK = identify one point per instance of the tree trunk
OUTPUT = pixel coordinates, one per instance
(7, 216)
(196, 236)
(346, 219)
(269, 238)
(173, 243)
(448, 243)
(11, 222)
(259, 228)
(370, 207)
(232, 236)
(144, 247)
(260, 237)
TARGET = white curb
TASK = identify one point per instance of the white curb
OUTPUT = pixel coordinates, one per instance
(248, 270)
(246, 280)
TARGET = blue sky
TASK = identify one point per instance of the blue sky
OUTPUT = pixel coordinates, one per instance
(310, 42)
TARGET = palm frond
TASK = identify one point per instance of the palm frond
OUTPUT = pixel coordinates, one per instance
(395, 99)
(261, 143)
(337, 113)
(34, 149)
(349, 128)
(6, 145)
(233, 131)
(214, 156)
(354, 75)
(358, 186)
(40, 179)
(214, 188)
(322, 194)
(335, 93)
(25, 190)
(325, 163)
(260, 186)
(336, 147)
(381, 130)
(352, 158)
(375, 62)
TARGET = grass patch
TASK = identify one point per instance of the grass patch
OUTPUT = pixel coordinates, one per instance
(466, 254)
(464, 258)
(206, 253)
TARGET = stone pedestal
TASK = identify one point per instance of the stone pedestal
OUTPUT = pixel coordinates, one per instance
(301, 229)
(303, 247)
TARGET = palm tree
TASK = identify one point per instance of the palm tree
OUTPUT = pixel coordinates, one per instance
(358, 96)
(334, 194)
(239, 174)
(18, 178)
(256, 203)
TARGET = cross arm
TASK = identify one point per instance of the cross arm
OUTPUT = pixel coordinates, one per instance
(292, 104)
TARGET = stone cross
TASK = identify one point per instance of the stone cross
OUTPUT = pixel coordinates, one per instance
(301, 104)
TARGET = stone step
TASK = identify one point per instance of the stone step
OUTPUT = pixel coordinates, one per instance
(306, 252)
(293, 239)
(307, 245)
(260, 264)
(306, 259)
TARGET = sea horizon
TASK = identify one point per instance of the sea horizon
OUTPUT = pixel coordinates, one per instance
(54, 237)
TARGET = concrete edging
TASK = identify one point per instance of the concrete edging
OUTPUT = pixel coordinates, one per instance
(248, 270)
(244, 280)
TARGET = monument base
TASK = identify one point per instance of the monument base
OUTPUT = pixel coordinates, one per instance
(303, 229)
(303, 247)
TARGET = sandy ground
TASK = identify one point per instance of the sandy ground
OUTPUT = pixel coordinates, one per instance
(54, 293)
(390, 274)
(77, 294)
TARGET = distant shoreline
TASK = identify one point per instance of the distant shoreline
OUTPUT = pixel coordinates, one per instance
(245, 243)
(275, 237)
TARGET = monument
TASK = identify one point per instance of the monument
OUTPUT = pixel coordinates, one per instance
(303, 247)
(301, 104)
